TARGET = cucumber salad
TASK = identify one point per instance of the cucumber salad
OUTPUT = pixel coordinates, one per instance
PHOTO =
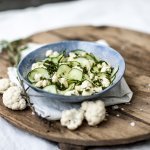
(76, 73)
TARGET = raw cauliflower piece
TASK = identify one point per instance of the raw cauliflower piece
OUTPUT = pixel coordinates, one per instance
(87, 92)
(12, 98)
(94, 112)
(64, 82)
(72, 118)
(5, 84)
(105, 82)
(105, 67)
(54, 78)
(48, 53)
(37, 65)
(86, 84)
(72, 55)
(42, 83)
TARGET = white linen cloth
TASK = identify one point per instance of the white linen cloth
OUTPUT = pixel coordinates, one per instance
(21, 23)
(51, 109)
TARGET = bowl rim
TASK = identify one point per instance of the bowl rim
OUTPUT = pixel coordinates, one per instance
(72, 96)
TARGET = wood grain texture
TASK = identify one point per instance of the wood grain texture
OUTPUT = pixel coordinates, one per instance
(135, 48)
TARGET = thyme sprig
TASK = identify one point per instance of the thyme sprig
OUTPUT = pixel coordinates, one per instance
(13, 50)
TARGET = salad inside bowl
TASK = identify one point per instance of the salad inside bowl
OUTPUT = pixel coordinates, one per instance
(72, 71)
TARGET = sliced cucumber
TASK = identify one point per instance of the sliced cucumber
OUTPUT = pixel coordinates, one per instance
(115, 70)
(90, 56)
(71, 87)
(74, 63)
(75, 74)
(51, 89)
(86, 77)
(113, 78)
(83, 62)
(95, 69)
(63, 70)
(55, 59)
(103, 75)
(79, 52)
(42, 71)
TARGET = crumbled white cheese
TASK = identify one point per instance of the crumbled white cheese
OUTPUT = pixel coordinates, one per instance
(49, 53)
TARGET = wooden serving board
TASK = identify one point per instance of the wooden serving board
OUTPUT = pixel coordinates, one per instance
(135, 48)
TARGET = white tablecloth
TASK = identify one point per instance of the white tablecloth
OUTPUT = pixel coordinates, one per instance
(133, 14)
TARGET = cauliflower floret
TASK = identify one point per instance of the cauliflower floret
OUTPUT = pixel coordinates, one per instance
(54, 78)
(91, 75)
(51, 53)
(55, 54)
(48, 53)
(70, 59)
(94, 112)
(5, 84)
(86, 84)
(97, 89)
(69, 93)
(72, 119)
(37, 77)
(64, 82)
(12, 98)
(83, 54)
(99, 66)
(87, 92)
(105, 82)
(96, 78)
(37, 65)
(105, 67)
(72, 55)
(42, 83)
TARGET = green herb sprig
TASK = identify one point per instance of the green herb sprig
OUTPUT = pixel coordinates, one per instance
(13, 50)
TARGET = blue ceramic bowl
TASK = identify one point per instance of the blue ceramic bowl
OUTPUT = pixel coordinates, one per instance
(105, 53)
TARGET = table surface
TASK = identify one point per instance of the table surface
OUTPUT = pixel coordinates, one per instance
(21, 23)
